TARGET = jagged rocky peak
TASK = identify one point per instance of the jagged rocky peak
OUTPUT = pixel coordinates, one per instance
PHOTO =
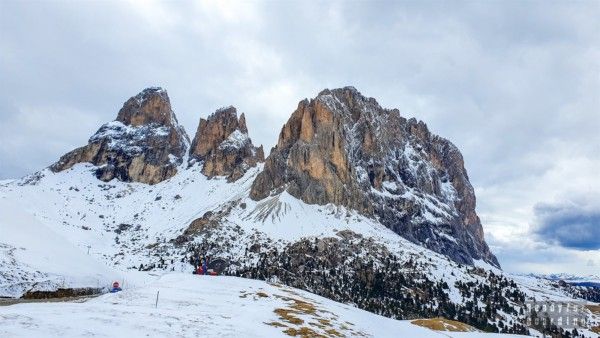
(344, 148)
(223, 146)
(144, 144)
(150, 106)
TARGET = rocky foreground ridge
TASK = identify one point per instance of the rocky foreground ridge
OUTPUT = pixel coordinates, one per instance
(340, 147)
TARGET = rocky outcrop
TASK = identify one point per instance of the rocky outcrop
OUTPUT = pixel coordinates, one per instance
(345, 149)
(223, 146)
(144, 144)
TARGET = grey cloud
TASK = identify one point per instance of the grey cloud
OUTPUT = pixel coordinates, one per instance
(500, 80)
(573, 225)
(523, 254)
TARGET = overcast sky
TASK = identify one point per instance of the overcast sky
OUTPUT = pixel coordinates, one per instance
(515, 85)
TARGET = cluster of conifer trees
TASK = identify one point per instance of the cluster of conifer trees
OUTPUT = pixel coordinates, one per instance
(360, 272)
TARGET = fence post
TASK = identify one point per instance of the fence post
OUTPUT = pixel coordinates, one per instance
(156, 304)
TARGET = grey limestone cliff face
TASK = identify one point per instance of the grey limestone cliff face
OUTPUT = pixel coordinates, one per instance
(223, 146)
(144, 144)
(344, 148)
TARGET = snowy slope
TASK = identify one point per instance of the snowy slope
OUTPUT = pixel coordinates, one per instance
(35, 258)
(87, 211)
(204, 306)
(128, 224)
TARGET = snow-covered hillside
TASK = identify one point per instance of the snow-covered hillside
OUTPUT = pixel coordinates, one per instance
(340, 208)
(125, 225)
(34, 257)
(204, 306)
(120, 221)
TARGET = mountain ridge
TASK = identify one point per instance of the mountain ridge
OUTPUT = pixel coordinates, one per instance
(291, 234)
(340, 147)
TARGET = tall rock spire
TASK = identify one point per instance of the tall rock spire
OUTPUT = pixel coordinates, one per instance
(223, 146)
(144, 144)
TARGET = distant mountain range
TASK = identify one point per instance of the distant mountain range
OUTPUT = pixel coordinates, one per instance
(589, 280)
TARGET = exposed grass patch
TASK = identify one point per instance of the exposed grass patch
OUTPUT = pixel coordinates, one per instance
(304, 307)
(302, 318)
(443, 324)
(262, 294)
(276, 324)
(333, 333)
(595, 329)
(315, 324)
(325, 321)
(594, 308)
(288, 316)
(304, 332)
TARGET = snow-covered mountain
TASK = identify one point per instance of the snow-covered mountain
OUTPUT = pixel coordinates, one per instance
(356, 204)
(344, 148)
(570, 278)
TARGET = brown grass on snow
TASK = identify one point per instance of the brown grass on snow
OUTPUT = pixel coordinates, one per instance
(443, 324)
(304, 332)
(594, 308)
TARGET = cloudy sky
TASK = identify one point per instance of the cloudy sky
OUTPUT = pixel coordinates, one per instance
(515, 85)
